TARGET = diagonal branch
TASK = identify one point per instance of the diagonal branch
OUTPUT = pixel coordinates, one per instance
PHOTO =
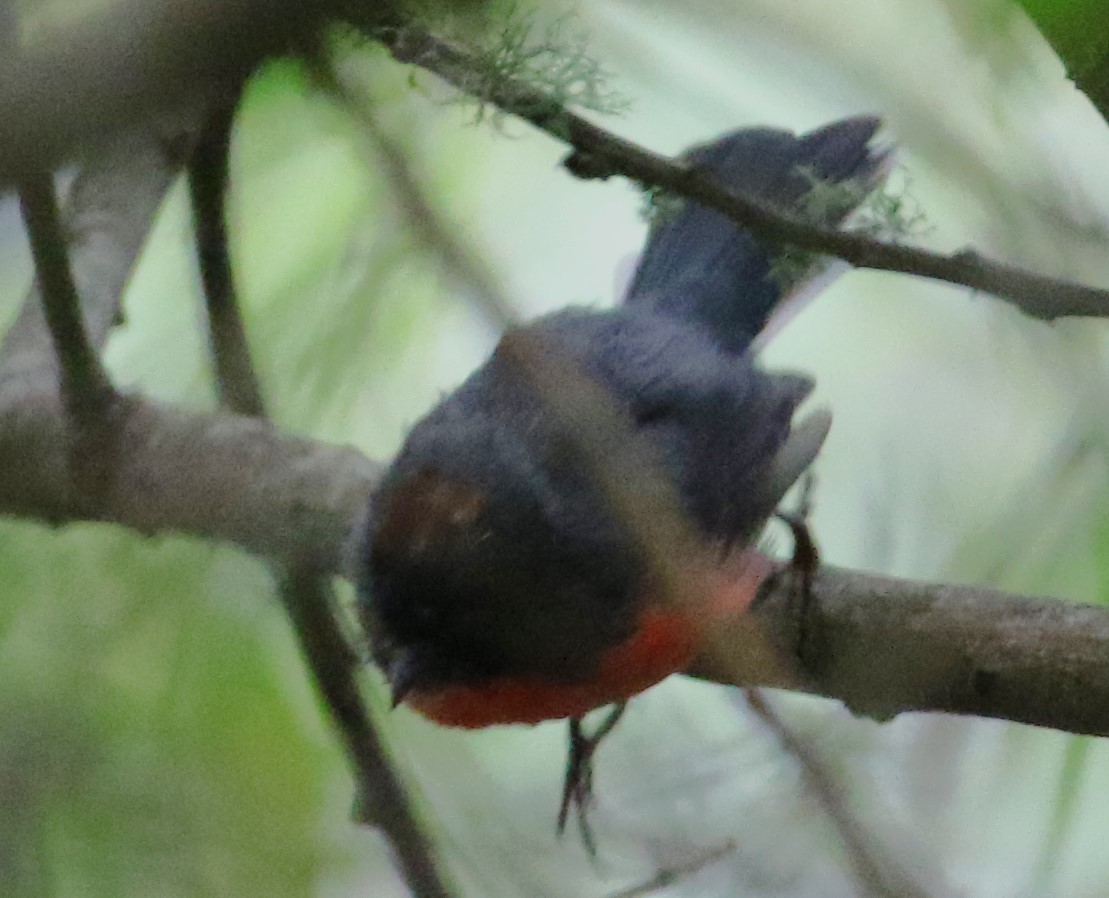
(383, 800)
(598, 153)
(875, 874)
(428, 223)
(137, 62)
(110, 209)
(306, 588)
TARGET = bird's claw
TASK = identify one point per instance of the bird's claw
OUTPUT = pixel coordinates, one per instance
(577, 789)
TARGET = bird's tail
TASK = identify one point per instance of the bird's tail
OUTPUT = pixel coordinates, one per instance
(703, 268)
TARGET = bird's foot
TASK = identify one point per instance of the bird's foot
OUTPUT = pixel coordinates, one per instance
(577, 789)
(805, 560)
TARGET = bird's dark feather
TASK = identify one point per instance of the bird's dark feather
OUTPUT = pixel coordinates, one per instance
(490, 553)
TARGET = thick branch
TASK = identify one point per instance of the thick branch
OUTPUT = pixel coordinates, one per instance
(131, 62)
(598, 153)
(880, 645)
(178, 472)
(884, 647)
(215, 476)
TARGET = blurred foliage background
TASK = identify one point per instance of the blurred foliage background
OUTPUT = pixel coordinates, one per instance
(159, 735)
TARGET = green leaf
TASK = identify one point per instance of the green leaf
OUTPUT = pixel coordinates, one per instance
(1078, 30)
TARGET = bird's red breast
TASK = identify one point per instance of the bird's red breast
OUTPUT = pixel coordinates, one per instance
(666, 639)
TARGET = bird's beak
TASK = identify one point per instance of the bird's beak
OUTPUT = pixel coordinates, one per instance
(404, 674)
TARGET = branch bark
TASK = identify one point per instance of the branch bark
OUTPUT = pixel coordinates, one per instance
(881, 646)
(215, 476)
(165, 480)
(885, 647)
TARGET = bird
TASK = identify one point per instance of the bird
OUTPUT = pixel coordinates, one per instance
(497, 582)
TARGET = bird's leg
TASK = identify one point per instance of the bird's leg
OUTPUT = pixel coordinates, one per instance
(577, 789)
(806, 557)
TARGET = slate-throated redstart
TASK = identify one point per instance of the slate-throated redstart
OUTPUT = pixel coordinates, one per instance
(497, 587)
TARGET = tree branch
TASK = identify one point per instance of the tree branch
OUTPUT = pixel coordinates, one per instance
(84, 384)
(307, 591)
(876, 874)
(134, 62)
(110, 209)
(884, 647)
(598, 153)
(383, 801)
(209, 168)
(177, 471)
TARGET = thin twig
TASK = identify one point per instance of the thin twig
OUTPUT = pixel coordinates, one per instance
(426, 220)
(309, 600)
(668, 876)
(85, 387)
(209, 166)
(109, 210)
(874, 874)
(598, 153)
(306, 588)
